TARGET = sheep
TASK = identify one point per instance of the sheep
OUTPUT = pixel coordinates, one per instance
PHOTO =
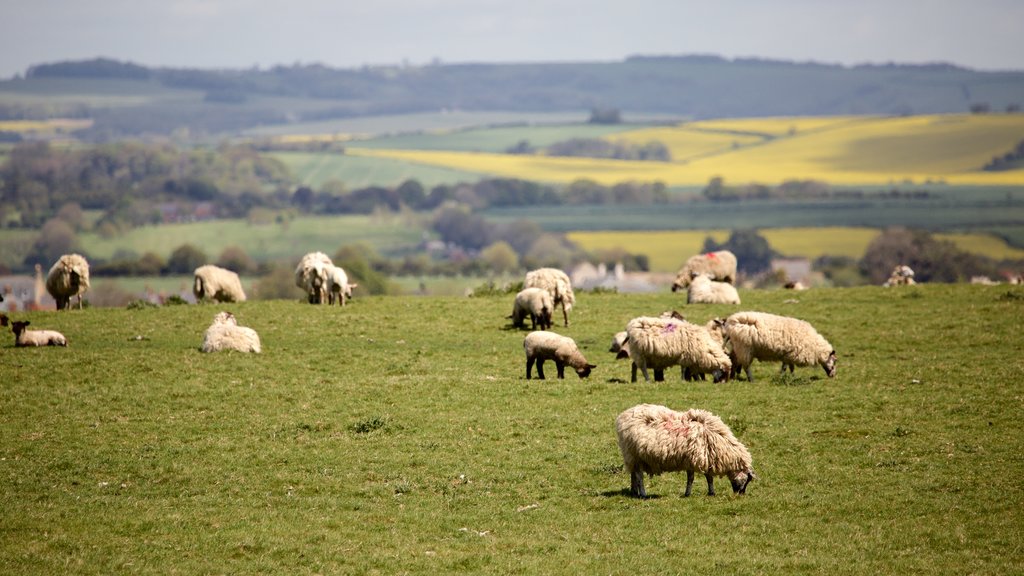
(23, 337)
(704, 290)
(769, 338)
(535, 303)
(541, 345)
(311, 276)
(720, 265)
(338, 287)
(557, 284)
(225, 334)
(660, 343)
(217, 283)
(620, 342)
(68, 277)
(655, 439)
(901, 275)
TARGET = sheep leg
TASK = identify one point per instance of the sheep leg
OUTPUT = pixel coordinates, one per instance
(636, 483)
(632, 374)
(659, 375)
(689, 483)
(561, 369)
(529, 367)
(565, 314)
(540, 369)
(750, 377)
(711, 484)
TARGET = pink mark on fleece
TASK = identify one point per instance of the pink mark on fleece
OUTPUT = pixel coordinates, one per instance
(711, 255)
(675, 426)
(669, 328)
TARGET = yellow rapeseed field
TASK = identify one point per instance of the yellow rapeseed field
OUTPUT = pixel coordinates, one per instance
(847, 150)
(667, 250)
(44, 127)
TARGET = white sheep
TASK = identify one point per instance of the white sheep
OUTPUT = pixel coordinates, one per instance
(660, 343)
(225, 334)
(68, 277)
(655, 439)
(704, 290)
(901, 275)
(23, 337)
(720, 265)
(217, 283)
(338, 287)
(542, 345)
(557, 284)
(771, 338)
(535, 303)
(311, 276)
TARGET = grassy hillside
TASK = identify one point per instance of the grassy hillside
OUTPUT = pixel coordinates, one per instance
(399, 435)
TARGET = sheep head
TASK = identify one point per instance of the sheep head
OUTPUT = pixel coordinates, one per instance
(585, 371)
(830, 364)
(18, 326)
(740, 479)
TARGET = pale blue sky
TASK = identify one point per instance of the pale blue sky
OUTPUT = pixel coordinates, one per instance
(981, 34)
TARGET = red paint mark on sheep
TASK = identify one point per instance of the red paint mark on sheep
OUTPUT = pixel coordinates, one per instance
(675, 427)
(711, 255)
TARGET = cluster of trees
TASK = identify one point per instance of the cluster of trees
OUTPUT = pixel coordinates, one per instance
(1011, 160)
(654, 150)
(718, 191)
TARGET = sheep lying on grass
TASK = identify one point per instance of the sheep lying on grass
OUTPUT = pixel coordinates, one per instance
(654, 439)
(23, 337)
(338, 288)
(901, 275)
(720, 265)
(225, 334)
(660, 343)
(217, 283)
(68, 278)
(770, 338)
(535, 303)
(541, 345)
(704, 290)
(557, 284)
(311, 276)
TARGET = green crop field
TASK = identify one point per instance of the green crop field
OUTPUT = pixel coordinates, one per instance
(399, 435)
(314, 169)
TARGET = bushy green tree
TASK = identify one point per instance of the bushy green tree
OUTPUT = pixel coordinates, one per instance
(185, 259)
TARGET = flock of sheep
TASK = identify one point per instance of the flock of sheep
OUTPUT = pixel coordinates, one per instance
(652, 439)
(655, 439)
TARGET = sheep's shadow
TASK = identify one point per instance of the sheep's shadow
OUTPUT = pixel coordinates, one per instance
(626, 493)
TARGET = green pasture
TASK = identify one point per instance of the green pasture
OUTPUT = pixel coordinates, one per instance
(314, 169)
(494, 139)
(400, 435)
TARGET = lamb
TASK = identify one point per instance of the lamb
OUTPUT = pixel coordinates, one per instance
(225, 334)
(311, 276)
(535, 303)
(542, 345)
(660, 343)
(720, 265)
(655, 439)
(901, 275)
(338, 288)
(704, 290)
(68, 277)
(217, 283)
(24, 338)
(769, 338)
(557, 284)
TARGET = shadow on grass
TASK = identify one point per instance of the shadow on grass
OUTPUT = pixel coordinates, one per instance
(625, 493)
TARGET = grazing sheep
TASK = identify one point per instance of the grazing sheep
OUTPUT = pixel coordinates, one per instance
(660, 343)
(217, 283)
(311, 276)
(704, 290)
(338, 288)
(770, 338)
(620, 343)
(720, 265)
(541, 345)
(557, 284)
(225, 334)
(902, 275)
(535, 303)
(68, 277)
(23, 337)
(654, 439)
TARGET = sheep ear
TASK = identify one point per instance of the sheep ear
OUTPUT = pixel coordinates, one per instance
(353, 285)
(591, 366)
(622, 354)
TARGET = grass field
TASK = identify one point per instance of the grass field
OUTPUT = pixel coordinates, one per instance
(399, 435)
(314, 169)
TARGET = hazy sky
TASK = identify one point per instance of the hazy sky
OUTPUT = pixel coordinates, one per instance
(982, 34)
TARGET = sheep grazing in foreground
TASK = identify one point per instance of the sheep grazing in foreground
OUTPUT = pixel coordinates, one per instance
(704, 290)
(24, 337)
(720, 266)
(217, 283)
(225, 334)
(541, 345)
(535, 303)
(660, 343)
(771, 338)
(901, 275)
(338, 287)
(557, 284)
(311, 276)
(654, 439)
(68, 278)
